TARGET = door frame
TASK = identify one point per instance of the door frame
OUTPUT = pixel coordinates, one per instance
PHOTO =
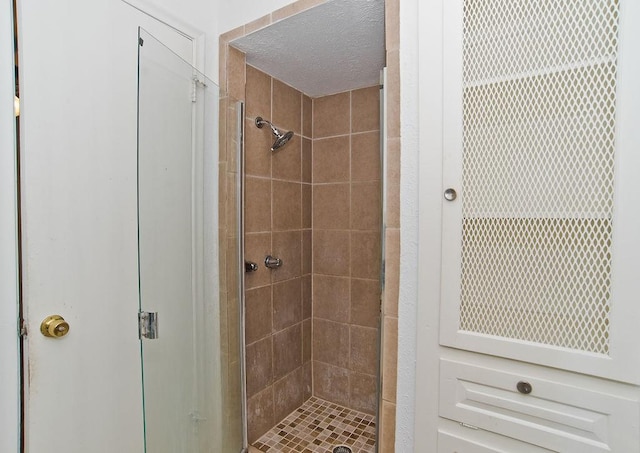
(197, 36)
(430, 99)
(9, 295)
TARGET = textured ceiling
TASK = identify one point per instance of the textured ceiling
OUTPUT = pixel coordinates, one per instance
(334, 47)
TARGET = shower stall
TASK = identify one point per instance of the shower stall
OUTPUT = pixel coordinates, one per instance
(302, 214)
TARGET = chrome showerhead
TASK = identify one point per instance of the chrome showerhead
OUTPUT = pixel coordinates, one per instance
(281, 139)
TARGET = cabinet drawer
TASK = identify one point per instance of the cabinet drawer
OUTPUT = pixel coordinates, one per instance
(557, 414)
(453, 438)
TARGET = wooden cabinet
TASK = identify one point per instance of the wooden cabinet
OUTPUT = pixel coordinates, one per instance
(540, 220)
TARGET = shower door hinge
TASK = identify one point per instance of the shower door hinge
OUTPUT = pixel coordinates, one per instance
(148, 325)
(22, 332)
(195, 81)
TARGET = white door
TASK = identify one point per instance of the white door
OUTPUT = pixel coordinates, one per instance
(79, 80)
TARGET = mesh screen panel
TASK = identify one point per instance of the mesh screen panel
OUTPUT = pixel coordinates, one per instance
(539, 100)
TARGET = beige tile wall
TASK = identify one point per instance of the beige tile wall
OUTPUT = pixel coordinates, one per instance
(230, 356)
(387, 420)
(361, 290)
(278, 302)
(346, 247)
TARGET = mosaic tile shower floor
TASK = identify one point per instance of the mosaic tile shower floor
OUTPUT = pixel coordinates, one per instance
(319, 426)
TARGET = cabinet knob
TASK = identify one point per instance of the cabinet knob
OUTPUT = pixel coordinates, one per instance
(524, 387)
(450, 194)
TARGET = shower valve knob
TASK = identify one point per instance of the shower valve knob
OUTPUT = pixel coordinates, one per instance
(272, 262)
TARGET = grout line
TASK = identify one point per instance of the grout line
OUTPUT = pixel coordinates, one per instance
(348, 134)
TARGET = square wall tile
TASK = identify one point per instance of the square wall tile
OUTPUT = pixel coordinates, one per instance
(392, 271)
(393, 183)
(331, 115)
(232, 261)
(256, 148)
(365, 254)
(365, 109)
(232, 195)
(365, 157)
(257, 205)
(388, 427)
(392, 24)
(257, 314)
(236, 73)
(366, 208)
(286, 162)
(364, 350)
(287, 394)
(260, 414)
(363, 393)
(331, 160)
(287, 107)
(390, 359)
(331, 342)
(331, 251)
(287, 206)
(258, 93)
(259, 366)
(287, 303)
(365, 302)
(288, 247)
(331, 206)
(331, 383)
(231, 134)
(287, 351)
(393, 94)
(331, 298)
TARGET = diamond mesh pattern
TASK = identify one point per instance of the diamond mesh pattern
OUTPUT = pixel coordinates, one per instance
(538, 169)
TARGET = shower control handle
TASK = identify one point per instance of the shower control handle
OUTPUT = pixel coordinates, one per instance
(272, 262)
(250, 266)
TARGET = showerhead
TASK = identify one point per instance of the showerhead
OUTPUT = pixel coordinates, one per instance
(281, 139)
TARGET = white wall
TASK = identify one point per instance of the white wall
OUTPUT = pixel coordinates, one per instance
(409, 209)
(233, 13)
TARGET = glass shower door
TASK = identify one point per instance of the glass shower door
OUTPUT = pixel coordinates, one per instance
(179, 308)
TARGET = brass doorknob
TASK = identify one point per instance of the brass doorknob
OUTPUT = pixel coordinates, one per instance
(54, 326)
